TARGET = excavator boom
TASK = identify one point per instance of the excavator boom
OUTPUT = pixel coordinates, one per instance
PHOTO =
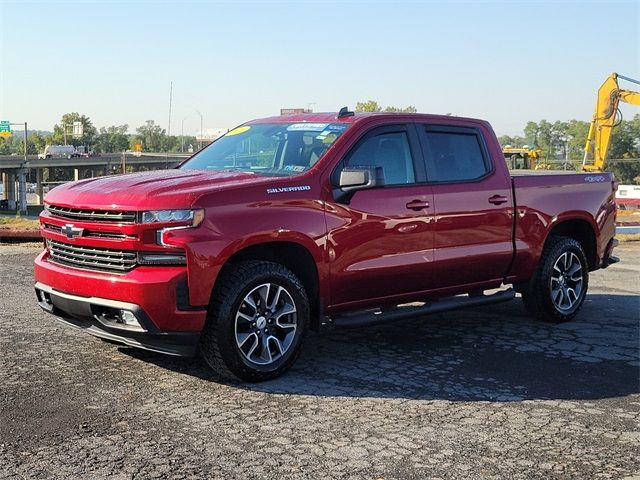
(605, 118)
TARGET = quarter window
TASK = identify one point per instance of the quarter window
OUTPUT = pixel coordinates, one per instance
(454, 156)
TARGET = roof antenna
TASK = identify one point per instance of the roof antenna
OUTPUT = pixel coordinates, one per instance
(344, 112)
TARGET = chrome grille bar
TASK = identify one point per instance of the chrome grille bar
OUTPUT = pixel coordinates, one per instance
(92, 215)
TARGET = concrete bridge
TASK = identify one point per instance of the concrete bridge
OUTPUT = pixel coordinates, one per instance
(54, 171)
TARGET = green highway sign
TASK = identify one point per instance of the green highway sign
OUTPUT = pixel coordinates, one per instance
(5, 128)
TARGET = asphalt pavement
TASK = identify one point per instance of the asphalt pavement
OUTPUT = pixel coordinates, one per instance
(482, 393)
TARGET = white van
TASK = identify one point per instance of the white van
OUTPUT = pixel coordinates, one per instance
(67, 151)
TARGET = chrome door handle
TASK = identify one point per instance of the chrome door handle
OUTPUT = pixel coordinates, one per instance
(498, 199)
(418, 205)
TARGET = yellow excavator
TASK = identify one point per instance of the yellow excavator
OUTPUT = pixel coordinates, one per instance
(522, 158)
(605, 118)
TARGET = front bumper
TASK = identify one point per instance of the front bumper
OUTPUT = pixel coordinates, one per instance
(84, 314)
(154, 298)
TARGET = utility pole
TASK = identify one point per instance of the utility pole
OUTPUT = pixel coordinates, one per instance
(169, 127)
(201, 129)
(182, 135)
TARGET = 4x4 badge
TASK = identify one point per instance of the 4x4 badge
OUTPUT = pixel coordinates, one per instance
(71, 231)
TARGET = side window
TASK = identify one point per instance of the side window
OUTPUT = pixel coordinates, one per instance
(454, 156)
(387, 150)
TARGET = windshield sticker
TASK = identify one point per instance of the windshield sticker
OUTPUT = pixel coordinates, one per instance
(237, 131)
(329, 139)
(307, 127)
(297, 188)
(293, 168)
(337, 127)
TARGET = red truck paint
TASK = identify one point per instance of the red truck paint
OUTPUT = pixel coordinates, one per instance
(373, 251)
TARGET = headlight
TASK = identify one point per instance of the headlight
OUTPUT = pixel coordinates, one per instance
(192, 218)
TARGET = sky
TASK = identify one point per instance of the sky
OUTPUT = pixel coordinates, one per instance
(506, 62)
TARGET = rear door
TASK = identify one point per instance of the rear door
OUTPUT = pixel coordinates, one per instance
(473, 206)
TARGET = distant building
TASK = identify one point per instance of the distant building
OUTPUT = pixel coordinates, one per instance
(210, 134)
(294, 111)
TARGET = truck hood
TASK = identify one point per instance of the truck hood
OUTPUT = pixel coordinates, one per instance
(149, 190)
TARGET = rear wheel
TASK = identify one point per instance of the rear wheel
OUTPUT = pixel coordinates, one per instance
(559, 286)
(257, 319)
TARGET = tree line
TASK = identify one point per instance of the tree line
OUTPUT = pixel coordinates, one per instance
(113, 139)
(565, 141)
(558, 141)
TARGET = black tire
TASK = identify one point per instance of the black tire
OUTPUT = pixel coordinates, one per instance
(218, 344)
(537, 296)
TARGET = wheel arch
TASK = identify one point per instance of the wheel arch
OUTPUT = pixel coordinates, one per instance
(294, 256)
(580, 229)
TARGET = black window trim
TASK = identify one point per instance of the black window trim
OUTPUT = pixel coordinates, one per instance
(423, 128)
(415, 147)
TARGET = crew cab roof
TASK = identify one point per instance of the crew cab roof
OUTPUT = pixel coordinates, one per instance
(331, 117)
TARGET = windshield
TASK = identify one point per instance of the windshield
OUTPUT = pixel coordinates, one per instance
(268, 148)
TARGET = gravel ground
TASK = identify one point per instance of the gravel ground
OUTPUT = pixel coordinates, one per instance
(484, 393)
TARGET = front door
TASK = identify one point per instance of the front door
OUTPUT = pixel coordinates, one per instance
(381, 241)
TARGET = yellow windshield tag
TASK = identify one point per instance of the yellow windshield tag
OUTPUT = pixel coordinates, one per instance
(237, 131)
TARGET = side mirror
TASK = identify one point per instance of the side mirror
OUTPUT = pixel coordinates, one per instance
(353, 179)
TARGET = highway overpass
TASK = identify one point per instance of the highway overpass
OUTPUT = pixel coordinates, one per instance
(52, 171)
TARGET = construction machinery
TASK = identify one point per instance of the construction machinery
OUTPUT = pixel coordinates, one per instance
(605, 117)
(522, 158)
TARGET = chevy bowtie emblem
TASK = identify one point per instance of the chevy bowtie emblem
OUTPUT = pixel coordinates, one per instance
(71, 231)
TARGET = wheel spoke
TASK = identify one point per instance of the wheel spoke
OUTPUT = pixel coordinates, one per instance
(567, 261)
(555, 293)
(268, 358)
(245, 317)
(571, 296)
(276, 298)
(249, 301)
(264, 294)
(253, 347)
(277, 342)
(286, 309)
(243, 337)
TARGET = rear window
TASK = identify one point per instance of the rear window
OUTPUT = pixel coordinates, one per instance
(454, 156)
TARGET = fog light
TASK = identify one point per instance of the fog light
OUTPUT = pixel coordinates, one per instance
(116, 318)
(128, 318)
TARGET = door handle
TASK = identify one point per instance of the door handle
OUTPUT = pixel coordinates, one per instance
(498, 199)
(418, 205)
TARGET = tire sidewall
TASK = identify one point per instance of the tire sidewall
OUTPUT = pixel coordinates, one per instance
(231, 355)
(565, 246)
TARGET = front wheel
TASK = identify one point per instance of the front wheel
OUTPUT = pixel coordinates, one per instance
(257, 319)
(559, 286)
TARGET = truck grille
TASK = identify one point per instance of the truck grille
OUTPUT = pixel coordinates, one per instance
(92, 215)
(91, 233)
(91, 258)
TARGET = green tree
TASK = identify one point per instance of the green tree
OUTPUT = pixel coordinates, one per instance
(368, 106)
(373, 106)
(151, 136)
(88, 130)
(113, 139)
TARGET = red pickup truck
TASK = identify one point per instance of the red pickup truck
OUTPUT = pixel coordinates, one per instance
(288, 222)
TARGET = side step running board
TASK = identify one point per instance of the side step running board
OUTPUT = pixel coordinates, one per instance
(369, 318)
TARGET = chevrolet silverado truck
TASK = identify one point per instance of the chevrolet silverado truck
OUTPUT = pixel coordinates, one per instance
(287, 223)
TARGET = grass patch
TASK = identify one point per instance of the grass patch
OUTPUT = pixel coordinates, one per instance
(18, 223)
(628, 237)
